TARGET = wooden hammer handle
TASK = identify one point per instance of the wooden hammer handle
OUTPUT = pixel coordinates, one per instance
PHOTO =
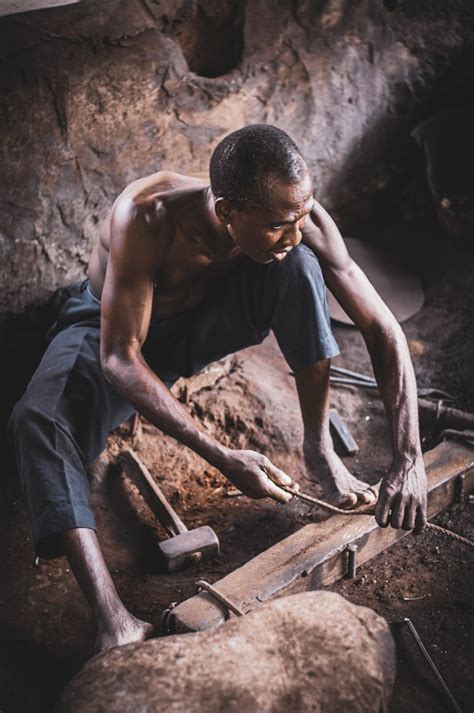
(151, 493)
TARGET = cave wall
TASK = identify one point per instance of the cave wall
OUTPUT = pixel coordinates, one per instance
(95, 95)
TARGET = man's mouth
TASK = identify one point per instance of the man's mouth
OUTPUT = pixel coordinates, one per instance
(280, 254)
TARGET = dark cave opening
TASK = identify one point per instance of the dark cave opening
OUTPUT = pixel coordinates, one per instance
(211, 35)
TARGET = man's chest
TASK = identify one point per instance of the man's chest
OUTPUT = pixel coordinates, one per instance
(183, 279)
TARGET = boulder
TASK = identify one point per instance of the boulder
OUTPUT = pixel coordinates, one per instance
(313, 651)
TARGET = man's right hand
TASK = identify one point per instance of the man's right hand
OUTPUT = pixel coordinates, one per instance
(255, 475)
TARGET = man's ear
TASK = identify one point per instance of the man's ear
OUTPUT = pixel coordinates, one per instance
(224, 210)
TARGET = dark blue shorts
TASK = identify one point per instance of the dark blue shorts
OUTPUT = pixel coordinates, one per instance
(61, 423)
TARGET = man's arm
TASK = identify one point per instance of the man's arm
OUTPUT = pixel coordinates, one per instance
(402, 498)
(136, 252)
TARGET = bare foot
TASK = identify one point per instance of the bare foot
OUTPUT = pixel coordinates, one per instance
(121, 629)
(340, 488)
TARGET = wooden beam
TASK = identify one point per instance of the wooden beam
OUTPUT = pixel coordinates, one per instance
(318, 552)
(12, 7)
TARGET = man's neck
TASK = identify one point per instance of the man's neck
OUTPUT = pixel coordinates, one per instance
(221, 238)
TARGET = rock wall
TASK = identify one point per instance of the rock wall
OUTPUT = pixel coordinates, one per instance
(94, 95)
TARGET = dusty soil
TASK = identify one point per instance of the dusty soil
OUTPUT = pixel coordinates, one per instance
(46, 628)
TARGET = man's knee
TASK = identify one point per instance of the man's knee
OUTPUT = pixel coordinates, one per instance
(29, 417)
(302, 264)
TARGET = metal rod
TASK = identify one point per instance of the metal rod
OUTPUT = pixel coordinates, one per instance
(353, 382)
(354, 378)
(355, 374)
(431, 664)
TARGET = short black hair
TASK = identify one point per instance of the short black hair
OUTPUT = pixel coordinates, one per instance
(242, 160)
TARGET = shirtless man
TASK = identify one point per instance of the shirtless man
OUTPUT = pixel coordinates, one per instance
(183, 274)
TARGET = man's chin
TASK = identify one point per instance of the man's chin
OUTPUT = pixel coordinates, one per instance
(260, 260)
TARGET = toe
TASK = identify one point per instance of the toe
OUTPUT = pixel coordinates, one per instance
(367, 497)
(344, 500)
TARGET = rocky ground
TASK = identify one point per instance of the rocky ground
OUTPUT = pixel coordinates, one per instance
(46, 629)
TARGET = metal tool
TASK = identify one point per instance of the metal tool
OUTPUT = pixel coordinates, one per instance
(184, 547)
(342, 431)
(431, 664)
(354, 378)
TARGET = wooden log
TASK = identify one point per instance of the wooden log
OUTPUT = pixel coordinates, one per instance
(318, 551)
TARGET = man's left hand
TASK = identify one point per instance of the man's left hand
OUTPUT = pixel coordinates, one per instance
(402, 496)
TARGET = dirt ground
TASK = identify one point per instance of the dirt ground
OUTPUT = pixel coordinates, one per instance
(46, 630)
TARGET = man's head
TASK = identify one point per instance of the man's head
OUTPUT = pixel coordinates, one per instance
(263, 190)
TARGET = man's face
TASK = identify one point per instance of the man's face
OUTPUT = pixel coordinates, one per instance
(269, 232)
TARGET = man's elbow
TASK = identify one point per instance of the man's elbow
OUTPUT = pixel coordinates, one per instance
(387, 334)
(111, 367)
(116, 366)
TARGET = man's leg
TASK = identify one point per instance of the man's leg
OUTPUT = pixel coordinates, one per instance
(302, 326)
(115, 624)
(322, 463)
(58, 427)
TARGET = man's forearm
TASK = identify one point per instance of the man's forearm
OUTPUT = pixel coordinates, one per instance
(395, 377)
(139, 385)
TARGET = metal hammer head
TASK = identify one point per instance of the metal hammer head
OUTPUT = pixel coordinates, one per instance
(188, 548)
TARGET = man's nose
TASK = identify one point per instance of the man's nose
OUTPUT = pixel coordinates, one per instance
(292, 236)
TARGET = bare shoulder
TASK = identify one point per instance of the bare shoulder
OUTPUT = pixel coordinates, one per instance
(322, 235)
(143, 199)
(150, 200)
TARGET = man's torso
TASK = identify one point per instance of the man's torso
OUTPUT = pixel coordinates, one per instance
(175, 213)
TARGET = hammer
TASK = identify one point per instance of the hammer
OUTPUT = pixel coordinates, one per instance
(184, 547)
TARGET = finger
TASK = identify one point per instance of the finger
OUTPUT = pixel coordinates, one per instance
(368, 496)
(410, 516)
(382, 510)
(277, 475)
(420, 520)
(273, 491)
(346, 501)
(398, 512)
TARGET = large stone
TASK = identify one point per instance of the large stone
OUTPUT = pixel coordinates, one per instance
(308, 652)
